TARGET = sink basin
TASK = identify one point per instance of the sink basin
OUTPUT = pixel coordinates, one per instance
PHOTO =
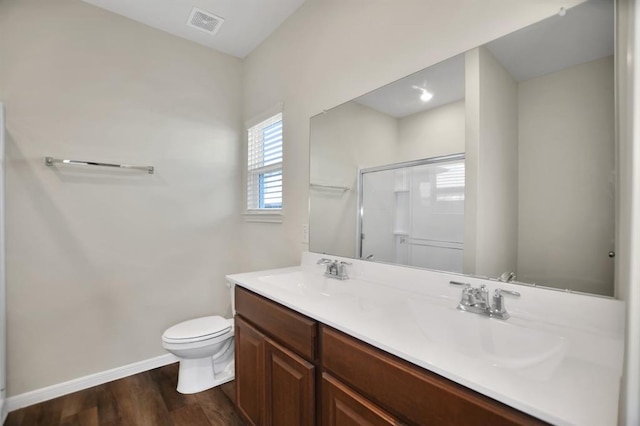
(309, 286)
(498, 343)
(351, 296)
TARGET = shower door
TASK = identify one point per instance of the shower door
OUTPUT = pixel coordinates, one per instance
(413, 213)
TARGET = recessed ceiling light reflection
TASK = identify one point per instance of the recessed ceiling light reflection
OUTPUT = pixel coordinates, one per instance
(425, 96)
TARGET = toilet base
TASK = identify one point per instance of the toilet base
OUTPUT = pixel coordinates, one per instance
(197, 375)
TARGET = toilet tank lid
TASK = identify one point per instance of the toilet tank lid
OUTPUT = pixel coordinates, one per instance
(199, 327)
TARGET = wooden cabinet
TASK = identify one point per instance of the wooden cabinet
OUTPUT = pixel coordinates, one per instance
(275, 373)
(282, 355)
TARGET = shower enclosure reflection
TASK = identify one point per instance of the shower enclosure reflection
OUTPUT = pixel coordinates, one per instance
(413, 213)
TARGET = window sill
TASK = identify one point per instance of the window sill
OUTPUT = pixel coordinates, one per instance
(266, 217)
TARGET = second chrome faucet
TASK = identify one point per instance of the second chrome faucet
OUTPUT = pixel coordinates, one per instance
(476, 300)
(335, 268)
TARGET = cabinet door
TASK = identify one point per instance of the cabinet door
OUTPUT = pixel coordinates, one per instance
(249, 347)
(289, 394)
(342, 406)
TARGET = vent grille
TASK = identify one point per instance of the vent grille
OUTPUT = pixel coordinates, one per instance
(204, 21)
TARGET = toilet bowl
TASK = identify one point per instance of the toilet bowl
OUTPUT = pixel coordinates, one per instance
(204, 347)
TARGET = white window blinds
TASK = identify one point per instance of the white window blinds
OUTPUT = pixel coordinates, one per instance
(264, 166)
(450, 182)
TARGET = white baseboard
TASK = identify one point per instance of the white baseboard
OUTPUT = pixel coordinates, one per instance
(64, 388)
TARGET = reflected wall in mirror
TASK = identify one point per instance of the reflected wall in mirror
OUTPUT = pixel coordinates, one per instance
(533, 115)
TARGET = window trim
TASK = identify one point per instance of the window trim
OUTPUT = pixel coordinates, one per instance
(274, 215)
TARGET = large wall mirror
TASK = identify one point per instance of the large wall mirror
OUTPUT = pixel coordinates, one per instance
(498, 162)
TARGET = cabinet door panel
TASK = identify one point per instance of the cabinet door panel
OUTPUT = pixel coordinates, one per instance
(341, 406)
(249, 372)
(290, 396)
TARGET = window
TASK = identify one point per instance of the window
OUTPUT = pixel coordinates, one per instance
(264, 166)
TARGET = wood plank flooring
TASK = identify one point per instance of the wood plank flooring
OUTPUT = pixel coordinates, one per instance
(145, 399)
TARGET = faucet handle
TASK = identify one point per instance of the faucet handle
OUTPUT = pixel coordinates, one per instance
(342, 270)
(324, 261)
(498, 308)
(500, 291)
(467, 298)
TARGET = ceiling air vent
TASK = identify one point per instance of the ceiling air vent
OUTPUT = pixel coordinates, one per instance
(204, 21)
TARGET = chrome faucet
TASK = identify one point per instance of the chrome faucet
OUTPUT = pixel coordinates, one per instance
(476, 300)
(335, 268)
(507, 277)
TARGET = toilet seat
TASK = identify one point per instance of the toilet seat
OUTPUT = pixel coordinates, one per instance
(197, 330)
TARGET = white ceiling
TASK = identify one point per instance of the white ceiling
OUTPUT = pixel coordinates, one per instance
(246, 22)
(445, 81)
(585, 33)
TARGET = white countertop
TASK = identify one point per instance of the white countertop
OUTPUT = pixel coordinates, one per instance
(558, 358)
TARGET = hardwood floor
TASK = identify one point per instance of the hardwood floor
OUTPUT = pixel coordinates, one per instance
(145, 399)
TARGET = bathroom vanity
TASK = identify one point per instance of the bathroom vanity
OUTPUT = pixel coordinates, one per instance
(284, 373)
(388, 346)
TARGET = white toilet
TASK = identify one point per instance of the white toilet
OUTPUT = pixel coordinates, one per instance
(205, 348)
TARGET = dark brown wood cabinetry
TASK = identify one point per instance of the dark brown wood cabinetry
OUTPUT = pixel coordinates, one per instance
(275, 355)
(290, 393)
(249, 353)
(413, 394)
(342, 406)
(283, 379)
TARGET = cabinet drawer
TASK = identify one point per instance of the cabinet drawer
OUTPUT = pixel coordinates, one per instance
(341, 406)
(290, 328)
(410, 392)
